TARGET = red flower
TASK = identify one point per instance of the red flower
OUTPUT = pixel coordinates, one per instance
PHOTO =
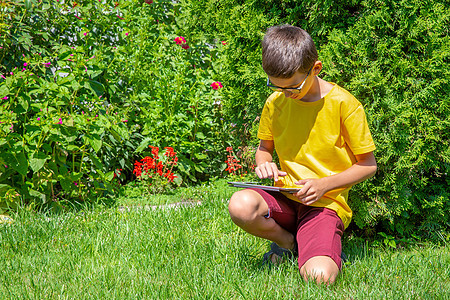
(137, 169)
(216, 85)
(180, 40)
(159, 168)
(148, 1)
(148, 163)
(185, 46)
(155, 151)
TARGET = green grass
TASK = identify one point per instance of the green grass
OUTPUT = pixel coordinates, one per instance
(191, 253)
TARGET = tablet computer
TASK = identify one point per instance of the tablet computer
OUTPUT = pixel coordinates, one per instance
(263, 187)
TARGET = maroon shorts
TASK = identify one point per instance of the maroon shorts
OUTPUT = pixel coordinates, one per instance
(318, 230)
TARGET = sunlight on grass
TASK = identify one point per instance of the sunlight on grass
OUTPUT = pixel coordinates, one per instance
(186, 253)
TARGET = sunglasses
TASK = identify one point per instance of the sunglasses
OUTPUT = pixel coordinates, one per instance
(290, 90)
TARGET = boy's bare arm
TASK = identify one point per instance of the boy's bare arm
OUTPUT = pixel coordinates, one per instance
(265, 168)
(314, 189)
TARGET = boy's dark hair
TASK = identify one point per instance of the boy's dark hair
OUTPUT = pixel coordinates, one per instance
(287, 49)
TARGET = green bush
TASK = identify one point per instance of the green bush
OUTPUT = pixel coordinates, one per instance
(392, 55)
(395, 59)
(87, 86)
(61, 137)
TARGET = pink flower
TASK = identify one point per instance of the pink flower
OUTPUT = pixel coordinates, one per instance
(3, 76)
(224, 43)
(5, 98)
(47, 64)
(60, 121)
(38, 118)
(24, 69)
(25, 64)
(126, 33)
(216, 85)
(180, 40)
(85, 34)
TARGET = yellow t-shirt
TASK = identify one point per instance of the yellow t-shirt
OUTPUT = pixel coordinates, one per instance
(317, 139)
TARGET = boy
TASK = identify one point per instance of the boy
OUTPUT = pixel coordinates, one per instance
(324, 146)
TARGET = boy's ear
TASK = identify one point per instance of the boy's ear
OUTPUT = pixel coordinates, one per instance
(317, 68)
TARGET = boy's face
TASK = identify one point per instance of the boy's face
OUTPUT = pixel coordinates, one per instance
(294, 87)
(297, 86)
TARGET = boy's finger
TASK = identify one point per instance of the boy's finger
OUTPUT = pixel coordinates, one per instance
(281, 173)
(263, 171)
(303, 191)
(274, 170)
(258, 172)
(269, 171)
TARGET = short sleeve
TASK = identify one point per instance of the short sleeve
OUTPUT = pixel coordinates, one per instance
(356, 132)
(265, 123)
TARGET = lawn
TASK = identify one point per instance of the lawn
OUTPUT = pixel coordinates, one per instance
(191, 252)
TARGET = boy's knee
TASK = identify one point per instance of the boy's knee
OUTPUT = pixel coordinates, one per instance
(321, 270)
(244, 206)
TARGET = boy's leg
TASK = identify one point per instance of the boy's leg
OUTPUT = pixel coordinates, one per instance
(250, 209)
(319, 241)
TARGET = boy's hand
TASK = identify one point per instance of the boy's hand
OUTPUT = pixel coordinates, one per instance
(313, 190)
(269, 170)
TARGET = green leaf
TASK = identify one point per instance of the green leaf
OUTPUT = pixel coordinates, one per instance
(392, 244)
(19, 163)
(4, 91)
(37, 163)
(64, 55)
(63, 170)
(200, 135)
(95, 143)
(95, 86)
(143, 145)
(66, 184)
(75, 176)
(201, 156)
(24, 104)
(178, 180)
(199, 168)
(109, 176)
(122, 132)
(96, 161)
(38, 195)
(73, 148)
(4, 188)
